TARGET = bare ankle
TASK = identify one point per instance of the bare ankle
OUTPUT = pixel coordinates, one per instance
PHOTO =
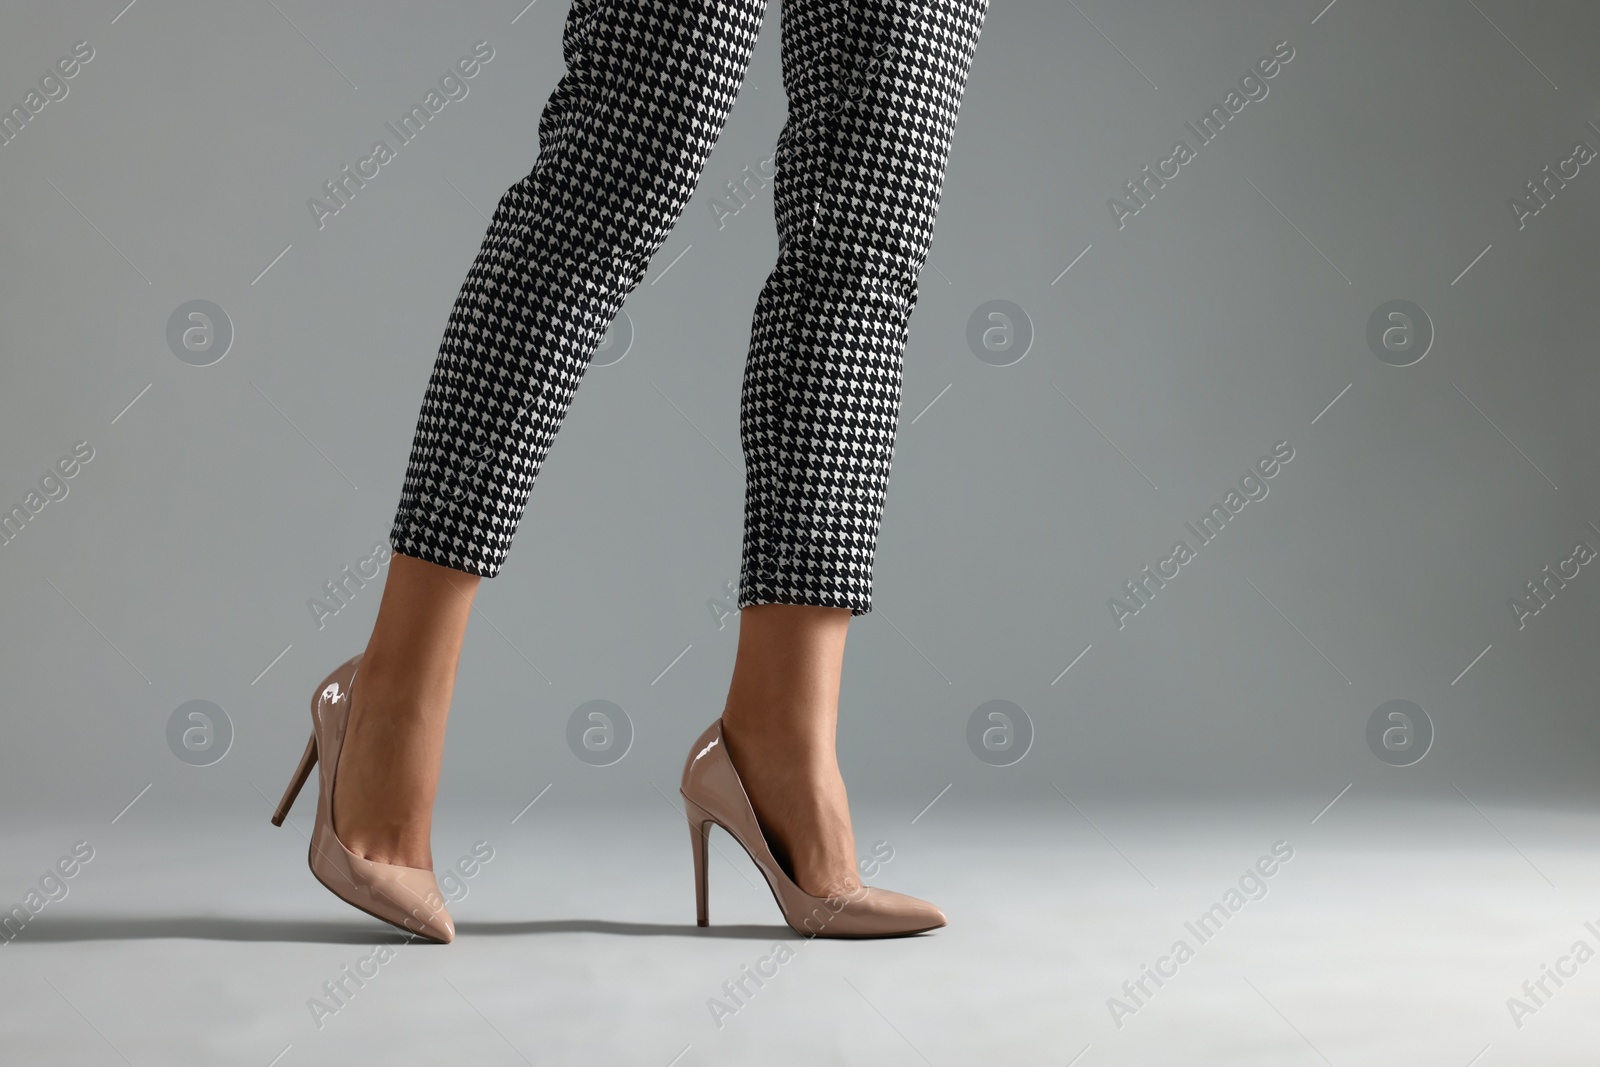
(798, 737)
(401, 688)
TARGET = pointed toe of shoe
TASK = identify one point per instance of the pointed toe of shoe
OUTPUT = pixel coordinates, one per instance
(897, 913)
(925, 916)
(439, 927)
(870, 912)
(409, 897)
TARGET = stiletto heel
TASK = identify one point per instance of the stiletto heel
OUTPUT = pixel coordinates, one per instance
(407, 897)
(699, 838)
(713, 792)
(301, 773)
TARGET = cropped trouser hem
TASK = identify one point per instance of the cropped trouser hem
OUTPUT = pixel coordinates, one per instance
(752, 594)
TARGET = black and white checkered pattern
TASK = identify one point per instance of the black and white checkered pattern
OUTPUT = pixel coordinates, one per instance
(874, 87)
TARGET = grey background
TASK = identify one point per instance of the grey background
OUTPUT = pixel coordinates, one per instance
(1229, 714)
(1224, 318)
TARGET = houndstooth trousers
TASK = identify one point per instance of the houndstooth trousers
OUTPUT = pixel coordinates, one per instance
(873, 90)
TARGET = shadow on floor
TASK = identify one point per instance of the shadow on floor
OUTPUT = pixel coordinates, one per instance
(352, 932)
(748, 931)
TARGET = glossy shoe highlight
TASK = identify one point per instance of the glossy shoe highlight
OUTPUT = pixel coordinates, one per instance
(407, 897)
(714, 793)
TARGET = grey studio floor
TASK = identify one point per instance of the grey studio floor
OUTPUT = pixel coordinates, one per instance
(1393, 933)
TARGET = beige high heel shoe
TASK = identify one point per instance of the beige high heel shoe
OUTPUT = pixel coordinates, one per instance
(714, 793)
(407, 897)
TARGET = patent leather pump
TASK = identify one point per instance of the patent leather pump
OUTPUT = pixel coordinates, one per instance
(407, 897)
(714, 793)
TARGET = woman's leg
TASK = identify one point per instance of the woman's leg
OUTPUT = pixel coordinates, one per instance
(623, 139)
(389, 771)
(778, 724)
(874, 87)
